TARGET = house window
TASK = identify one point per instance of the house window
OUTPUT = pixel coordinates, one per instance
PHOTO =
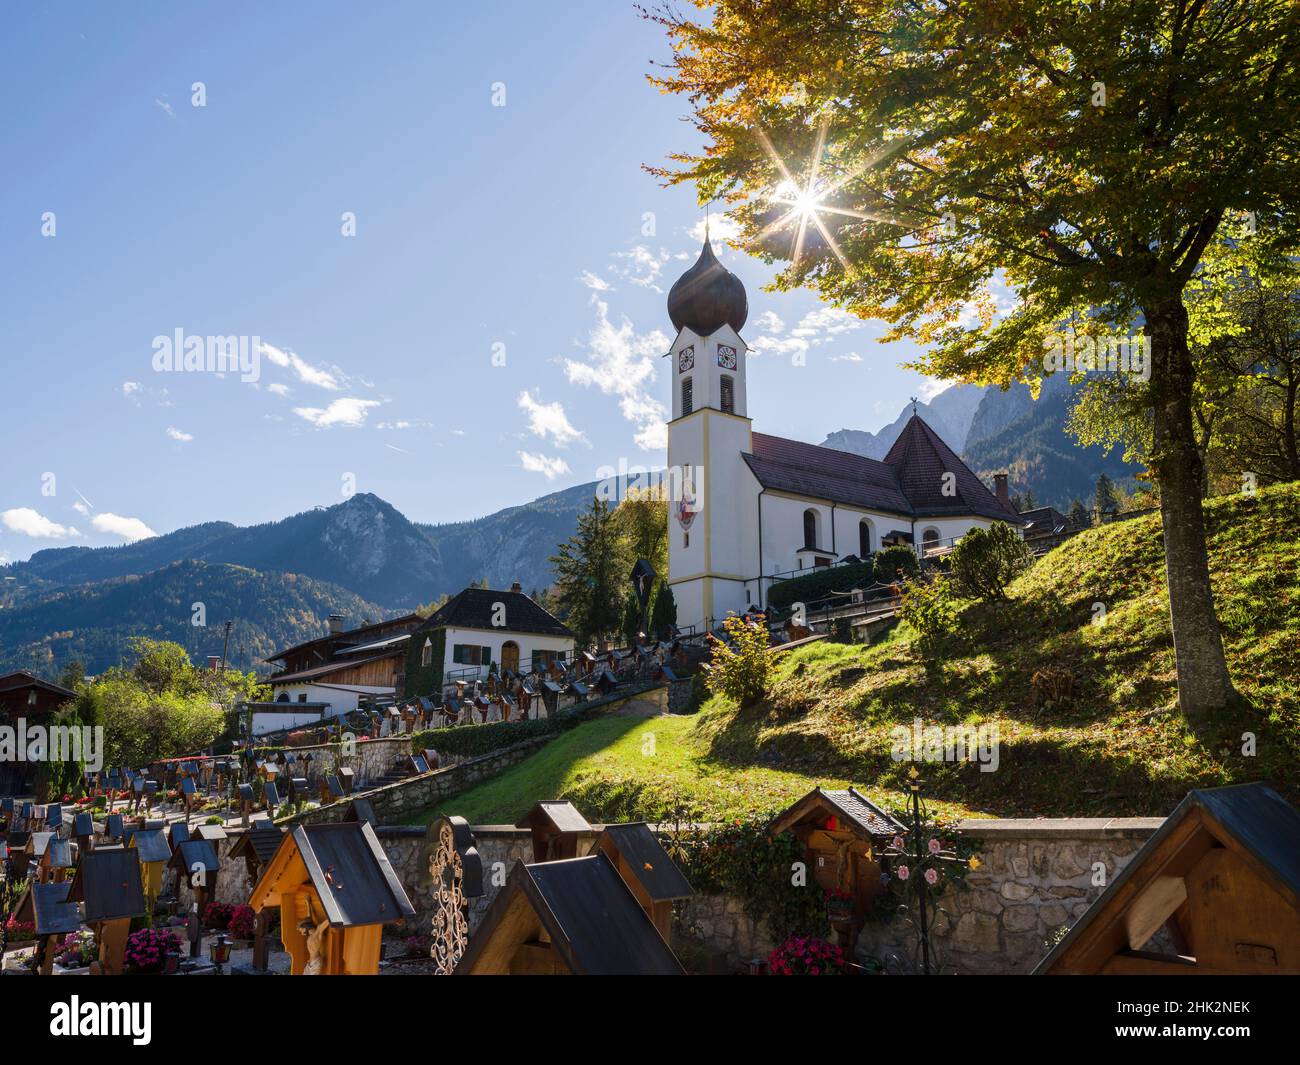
(302, 698)
(426, 652)
(471, 654)
(930, 536)
(728, 385)
(544, 659)
(864, 539)
(688, 394)
(810, 528)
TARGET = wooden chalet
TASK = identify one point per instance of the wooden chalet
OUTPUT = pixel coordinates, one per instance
(1220, 880)
(577, 916)
(843, 833)
(336, 890)
(556, 827)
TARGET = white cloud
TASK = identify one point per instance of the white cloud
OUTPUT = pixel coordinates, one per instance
(621, 362)
(28, 522)
(549, 467)
(594, 281)
(130, 529)
(641, 266)
(177, 434)
(848, 356)
(129, 388)
(770, 322)
(933, 386)
(720, 228)
(404, 423)
(81, 508)
(278, 389)
(332, 379)
(825, 322)
(349, 412)
(548, 420)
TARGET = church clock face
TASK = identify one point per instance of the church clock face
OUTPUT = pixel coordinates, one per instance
(686, 359)
(726, 356)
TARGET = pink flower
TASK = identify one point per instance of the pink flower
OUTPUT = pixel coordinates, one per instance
(934, 846)
(898, 843)
(931, 877)
(903, 872)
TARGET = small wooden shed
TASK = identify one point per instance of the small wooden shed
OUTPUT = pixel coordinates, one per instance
(644, 866)
(336, 890)
(556, 826)
(1220, 879)
(107, 881)
(843, 833)
(574, 917)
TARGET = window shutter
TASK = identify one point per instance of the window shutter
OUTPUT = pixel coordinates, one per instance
(487, 656)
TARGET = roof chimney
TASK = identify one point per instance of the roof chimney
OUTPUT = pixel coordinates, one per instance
(516, 587)
(336, 623)
(1000, 489)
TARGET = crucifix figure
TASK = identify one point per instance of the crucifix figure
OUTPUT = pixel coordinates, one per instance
(313, 934)
(914, 405)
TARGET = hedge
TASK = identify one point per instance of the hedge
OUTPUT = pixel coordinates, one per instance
(820, 583)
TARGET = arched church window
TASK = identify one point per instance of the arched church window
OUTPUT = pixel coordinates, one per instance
(728, 393)
(864, 538)
(810, 528)
(930, 536)
(688, 396)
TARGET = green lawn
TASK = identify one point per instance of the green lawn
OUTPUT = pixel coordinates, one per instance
(1116, 746)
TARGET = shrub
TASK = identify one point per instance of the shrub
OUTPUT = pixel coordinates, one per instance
(807, 956)
(929, 606)
(147, 950)
(744, 860)
(985, 561)
(217, 915)
(896, 563)
(820, 583)
(242, 921)
(742, 668)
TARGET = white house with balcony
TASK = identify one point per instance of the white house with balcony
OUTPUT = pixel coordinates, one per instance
(755, 508)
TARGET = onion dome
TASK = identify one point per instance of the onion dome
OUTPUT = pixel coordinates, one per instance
(708, 296)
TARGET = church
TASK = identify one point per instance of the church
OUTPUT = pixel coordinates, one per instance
(750, 509)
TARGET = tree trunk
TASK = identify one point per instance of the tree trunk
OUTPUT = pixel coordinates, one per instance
(1204, 686)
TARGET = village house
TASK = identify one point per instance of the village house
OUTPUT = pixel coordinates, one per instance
(481, 631)
(750, 508)
(333, 673)
(25, 696)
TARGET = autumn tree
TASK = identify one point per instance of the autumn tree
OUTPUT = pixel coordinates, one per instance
(908, 158)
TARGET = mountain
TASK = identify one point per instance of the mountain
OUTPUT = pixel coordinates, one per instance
(363, 545)
(949, 414)
(1027, 439)
(93, 622)
(996, 431)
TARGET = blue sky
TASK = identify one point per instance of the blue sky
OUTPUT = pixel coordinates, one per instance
(518, 230)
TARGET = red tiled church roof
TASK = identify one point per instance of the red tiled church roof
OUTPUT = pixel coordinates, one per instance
(908, 482)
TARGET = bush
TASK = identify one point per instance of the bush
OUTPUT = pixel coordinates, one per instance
(807, 956)
(217, 916)
(242, 921)
(929, 606)
(819, 583)
(896, 563)
(985, 561)
(147, 950)
(743, 669)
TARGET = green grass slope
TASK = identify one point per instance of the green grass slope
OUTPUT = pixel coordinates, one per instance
(1116, 746)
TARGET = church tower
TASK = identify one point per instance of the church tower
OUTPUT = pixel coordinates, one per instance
(709, 431)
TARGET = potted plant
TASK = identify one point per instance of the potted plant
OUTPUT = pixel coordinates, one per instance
(839, 905)
(75, 954)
